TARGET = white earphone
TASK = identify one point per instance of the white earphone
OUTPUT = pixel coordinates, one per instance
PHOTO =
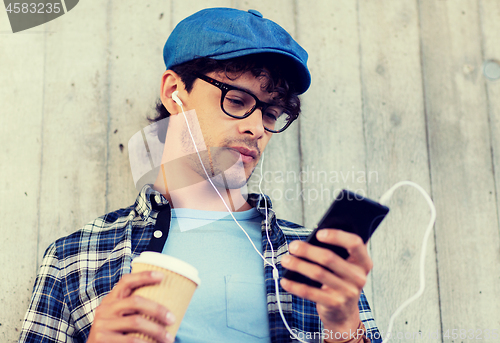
(175, 98)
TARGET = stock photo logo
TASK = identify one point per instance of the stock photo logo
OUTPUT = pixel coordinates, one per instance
(24, 15)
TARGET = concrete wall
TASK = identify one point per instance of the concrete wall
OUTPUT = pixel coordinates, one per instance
(398, 94)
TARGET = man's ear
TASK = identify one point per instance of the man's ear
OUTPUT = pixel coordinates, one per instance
(171, 82)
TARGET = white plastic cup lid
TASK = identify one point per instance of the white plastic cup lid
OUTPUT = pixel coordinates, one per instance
(168, 262)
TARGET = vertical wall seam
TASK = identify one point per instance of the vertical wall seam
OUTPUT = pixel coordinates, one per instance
(363, 122)
(172, 9)
(429, 162)
(362, 93)
(489, 112)
(299, 137)
(108, 100)
(40, 179)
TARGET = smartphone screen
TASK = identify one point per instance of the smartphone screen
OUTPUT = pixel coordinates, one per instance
(349, 212)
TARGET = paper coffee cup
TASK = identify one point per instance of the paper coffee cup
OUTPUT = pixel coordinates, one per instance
(175, 290)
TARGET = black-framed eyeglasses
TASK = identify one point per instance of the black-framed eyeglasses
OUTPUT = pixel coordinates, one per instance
(238, 103)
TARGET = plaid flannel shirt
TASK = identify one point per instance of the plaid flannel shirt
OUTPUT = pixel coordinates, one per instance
(79, 270)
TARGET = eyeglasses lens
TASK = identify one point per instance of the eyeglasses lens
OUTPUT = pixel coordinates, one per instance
(238, 104)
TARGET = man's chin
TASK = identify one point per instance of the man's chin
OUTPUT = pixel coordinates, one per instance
(233, 178)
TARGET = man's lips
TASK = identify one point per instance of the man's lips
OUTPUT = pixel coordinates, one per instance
(246, 152)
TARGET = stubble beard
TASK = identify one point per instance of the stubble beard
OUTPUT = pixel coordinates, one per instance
(223, 165)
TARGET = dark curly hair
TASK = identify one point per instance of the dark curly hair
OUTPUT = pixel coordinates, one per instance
(274, 68)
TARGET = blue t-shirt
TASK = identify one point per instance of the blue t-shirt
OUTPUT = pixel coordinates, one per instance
(230, 304)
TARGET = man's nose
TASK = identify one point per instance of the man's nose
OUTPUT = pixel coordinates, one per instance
(253, 124)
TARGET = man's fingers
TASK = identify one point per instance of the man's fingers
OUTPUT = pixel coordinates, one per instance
(113, 330)
(120, 312)
(113, 337)
(347, 270)
(139, 324)
(358, 253)
(138, 305)
(313, 271)
(338, 237)
(333, 298)
(129, 282)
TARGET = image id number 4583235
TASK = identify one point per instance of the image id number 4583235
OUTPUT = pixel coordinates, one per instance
(25, 7)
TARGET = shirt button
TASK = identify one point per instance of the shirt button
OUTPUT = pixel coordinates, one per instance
(158, 199)
(157, 234)
(256, 13)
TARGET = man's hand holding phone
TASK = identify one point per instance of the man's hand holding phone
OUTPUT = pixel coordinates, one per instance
(331, 266)
(342, 280)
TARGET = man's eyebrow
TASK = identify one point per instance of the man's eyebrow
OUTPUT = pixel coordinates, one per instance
(272, 102)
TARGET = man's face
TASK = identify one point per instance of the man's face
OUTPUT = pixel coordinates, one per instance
(227, 139)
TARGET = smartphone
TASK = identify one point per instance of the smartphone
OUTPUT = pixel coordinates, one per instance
(349, 212)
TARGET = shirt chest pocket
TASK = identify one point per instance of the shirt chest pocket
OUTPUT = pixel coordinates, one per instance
(247, 305)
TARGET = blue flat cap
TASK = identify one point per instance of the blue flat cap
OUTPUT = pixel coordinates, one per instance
(224, 33)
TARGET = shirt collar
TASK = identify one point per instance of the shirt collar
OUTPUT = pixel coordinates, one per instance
(150, 200)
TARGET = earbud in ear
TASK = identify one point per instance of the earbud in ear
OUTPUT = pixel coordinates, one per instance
(175, 98)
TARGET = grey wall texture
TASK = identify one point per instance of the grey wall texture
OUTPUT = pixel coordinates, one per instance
(398, 93)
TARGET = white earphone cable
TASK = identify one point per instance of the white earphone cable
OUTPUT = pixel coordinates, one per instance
(384, 200)
(275, 270)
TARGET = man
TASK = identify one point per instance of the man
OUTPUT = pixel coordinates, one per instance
(232, 81)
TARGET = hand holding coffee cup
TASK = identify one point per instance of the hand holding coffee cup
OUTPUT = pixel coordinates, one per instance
(175, 290)
(120, 312)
